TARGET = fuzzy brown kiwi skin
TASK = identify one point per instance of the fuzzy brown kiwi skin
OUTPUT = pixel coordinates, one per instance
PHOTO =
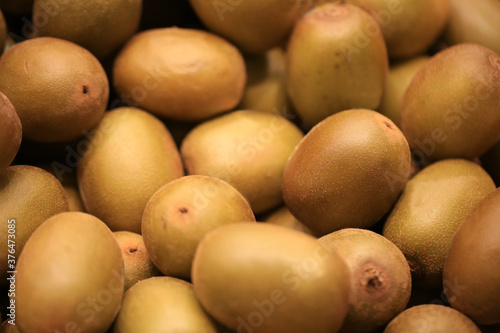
(380, 277)
(471, 273)
(430, 210)
(431, 318)
(10, 132)
(459, 120)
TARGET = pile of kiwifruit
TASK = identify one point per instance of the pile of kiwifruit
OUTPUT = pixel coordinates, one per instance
(250, 166)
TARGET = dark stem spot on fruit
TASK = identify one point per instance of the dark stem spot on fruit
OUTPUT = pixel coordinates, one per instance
(183, 210)
(388, 124)
(373, 279)
(132, 250)
(85, 90)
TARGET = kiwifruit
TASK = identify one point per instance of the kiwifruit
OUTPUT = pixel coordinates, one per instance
(178, 73)
(16, 7)
(284, 218)
(28, 196)
(450, 108)
(162, 304)
(138, 264)
(471, 272)
(398, 80)
(69, 276)
(247, 149)
(131, 155)
(430, 210)
(3, 32)
(254, 26)
(474, 22)
(59, 89)
(380, 277)
(10, 132)
(99, 26)
(262, 278)
(265, 89)
(409, 27)
(431, 318)
(182, 212)
(347, 172)
(348, 70)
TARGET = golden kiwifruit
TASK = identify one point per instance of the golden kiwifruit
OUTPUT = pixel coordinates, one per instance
(99, 26)
(430, 210)
(28, 196)
(348, 70)
(247, 149)
(431, 318)
(162, 304)
(398, 80)
(262, 278)
(182, 212)
(409, 27)
(450, 108)
(254, 26)
(474, 22)
(179, 73)
(69, 276)
(265, 89)
(347, 172)
(131, 155)
(10, 132)
(16, 7)
(284, 218)
(471, 272)
(380, 277)
(59, 89)
(138, 264)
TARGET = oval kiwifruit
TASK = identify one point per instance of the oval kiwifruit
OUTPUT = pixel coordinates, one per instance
(380, 277)
(138, 264)
(247, 149)
(178, 73)
(471, 272)
(474, 22)
(450, 108)
(59, 89)
(430, 210)
(398, 80)
(162, 304)
(10, 132)
(409, 27)
(69, 276)
(262, 278)
(182, 212)
(131, 155)
(347, 172)
(284, 218)
(431, 318)
(99, 26)
(254, 26)
(28, 196)
(348, 70)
